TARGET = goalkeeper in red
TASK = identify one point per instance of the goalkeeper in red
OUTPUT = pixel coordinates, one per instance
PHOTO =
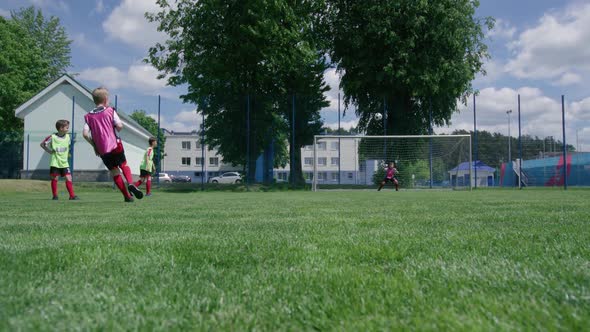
(390, 173)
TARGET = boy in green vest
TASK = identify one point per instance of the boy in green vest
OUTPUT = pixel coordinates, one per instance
(58, 146)
(147, 166)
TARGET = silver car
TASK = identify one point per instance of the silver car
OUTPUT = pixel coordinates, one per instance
(228, 177)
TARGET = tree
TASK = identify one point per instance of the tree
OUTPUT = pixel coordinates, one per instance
(149, 124)
(22, 72)
(49, 37)
(406, 56)
(243, 61)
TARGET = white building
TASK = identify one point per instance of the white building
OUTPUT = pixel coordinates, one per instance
(67, 99)
(184, 156)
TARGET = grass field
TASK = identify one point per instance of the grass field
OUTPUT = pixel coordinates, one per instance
(427, 260)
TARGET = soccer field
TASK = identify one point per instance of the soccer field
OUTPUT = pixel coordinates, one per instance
(428, 260)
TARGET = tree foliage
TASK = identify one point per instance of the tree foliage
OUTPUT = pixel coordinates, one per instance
(149, 124)
(406, 56)
(243, 61)
(49, 37)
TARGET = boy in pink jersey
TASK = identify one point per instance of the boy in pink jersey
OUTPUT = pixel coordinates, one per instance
(100, 130)
(390, 173)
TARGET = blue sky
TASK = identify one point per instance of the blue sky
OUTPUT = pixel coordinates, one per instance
(540, 49)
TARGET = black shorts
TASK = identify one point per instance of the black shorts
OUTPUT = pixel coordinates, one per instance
(392, 180)
(113, 160)
(143, 173)
(59, 171)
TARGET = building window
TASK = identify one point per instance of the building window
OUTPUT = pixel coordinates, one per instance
(198, 174)
(308, 161)
(308, 176)
(322, 146)
(199, 161)
(335, 177)
(323, 161)
(198, 145)
(214, 161)
(350, 175)
(334, 161)
(212, 174)
(186, 161)
(282, 176)
(309, 147)
(334, 146)
(322, 176)
(186, 145)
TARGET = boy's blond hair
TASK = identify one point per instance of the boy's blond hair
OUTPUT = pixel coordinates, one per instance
(100, 95)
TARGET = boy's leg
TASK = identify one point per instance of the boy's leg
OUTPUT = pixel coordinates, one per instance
(126, 172)
(54, 185)
(139, 182)
(381, 186)
(148, 185)
(396, 184)
(119, 182)
(70, 186)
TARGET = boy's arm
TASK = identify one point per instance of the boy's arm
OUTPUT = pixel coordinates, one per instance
(88, 138)
(117, 121)
(44, 145)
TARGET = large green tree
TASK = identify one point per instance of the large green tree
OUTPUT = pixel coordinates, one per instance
(406, 56)
(244, 60)
(22, 72)
(49, 37)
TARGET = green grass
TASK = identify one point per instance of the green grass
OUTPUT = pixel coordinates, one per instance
(427, 260)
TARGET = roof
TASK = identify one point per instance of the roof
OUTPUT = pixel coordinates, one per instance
(479, 166)
(22, 110)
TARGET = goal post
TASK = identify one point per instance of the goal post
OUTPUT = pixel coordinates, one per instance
(359, 162)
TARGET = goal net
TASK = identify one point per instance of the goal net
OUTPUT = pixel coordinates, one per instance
(425, 161)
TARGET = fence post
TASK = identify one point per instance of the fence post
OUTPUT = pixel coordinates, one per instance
(430, 139)
(293, 141)
(73, 138)
(29, 175)
(248, 143)
(202, 150)
(564, 143)
(475, 138)
(339, 142)
(519, 148)
(159, 166)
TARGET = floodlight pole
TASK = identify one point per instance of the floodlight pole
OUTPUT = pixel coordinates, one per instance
(509, 154)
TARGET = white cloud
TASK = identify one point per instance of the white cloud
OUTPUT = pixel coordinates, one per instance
(343, 124)
(557, 48)
(502, 29)
(568, 79)
(128, 24)
(494, 71)
(59, 5)
(99, 8)
(139, 77)
(540, 114)
(184, 121)
(4, 13)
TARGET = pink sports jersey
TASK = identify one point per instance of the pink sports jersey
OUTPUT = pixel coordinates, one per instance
(100, 122)
(391, 172)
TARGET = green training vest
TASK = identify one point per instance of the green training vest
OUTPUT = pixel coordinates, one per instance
(61, 146)
(147, 163)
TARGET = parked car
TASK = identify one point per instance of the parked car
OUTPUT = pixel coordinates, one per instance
(228, 177)
(181, 178)
(164, 178)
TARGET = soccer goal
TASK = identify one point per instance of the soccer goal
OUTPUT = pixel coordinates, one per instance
(422, 161)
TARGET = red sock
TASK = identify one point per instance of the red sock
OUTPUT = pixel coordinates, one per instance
(148, 186)
(138, 183)
(54, 187)
(70, 188)
(127, 172)
(121, 185)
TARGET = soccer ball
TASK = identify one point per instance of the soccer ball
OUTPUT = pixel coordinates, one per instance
(378, 116)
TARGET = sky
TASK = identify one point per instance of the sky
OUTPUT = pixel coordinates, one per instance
(540, 50)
